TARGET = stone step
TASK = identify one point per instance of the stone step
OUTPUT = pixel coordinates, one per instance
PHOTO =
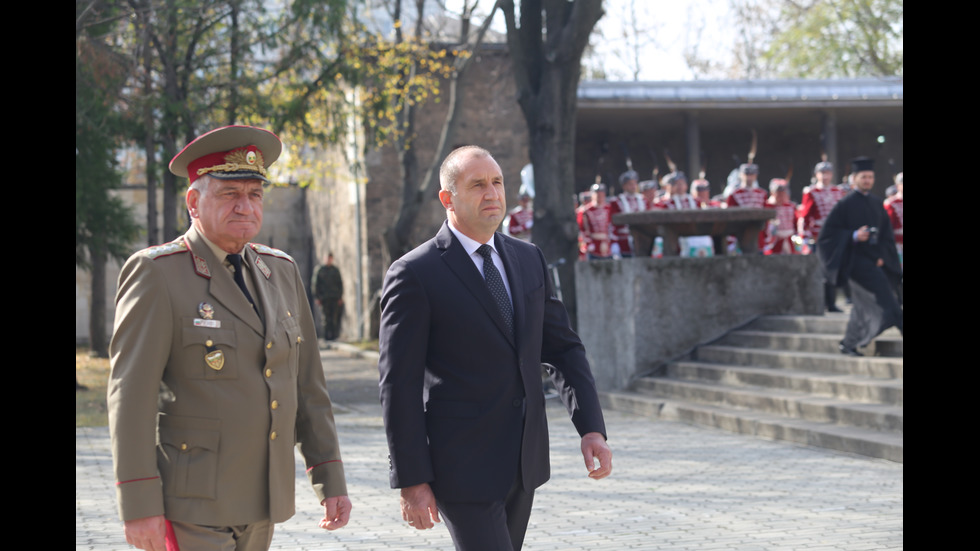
(783, 378)
(866, 442)
(829, 324)
(885, 346)
(832, 385)
(867, 366)
(793, 405)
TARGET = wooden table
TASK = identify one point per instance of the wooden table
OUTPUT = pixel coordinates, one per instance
(744, 223)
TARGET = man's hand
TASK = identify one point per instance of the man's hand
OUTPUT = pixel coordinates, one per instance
(336, 512)
(862, 234)
(147, 533)
(419, 506)
(594, 447)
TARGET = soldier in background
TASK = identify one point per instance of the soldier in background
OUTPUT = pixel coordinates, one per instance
(780, 231)
(594, 225)
(701, 191)
(520, 220)
(328, 290)
(748, 194)
(818, 200)
(627, 201)
(676, 195)
(894, 206)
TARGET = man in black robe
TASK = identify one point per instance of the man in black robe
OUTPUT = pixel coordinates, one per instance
(857, 246)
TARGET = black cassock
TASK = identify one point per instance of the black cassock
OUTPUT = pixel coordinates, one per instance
(874, 290)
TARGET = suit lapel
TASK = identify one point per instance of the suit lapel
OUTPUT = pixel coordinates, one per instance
(462, 265)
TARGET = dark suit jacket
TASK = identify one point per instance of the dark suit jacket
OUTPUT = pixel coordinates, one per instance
(462, 398)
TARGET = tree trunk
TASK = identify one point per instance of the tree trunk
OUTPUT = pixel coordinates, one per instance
(546, 50)
(98, 341)
(416, 191)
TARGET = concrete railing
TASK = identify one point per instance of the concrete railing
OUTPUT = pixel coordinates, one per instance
(744, 223)
(636, 314)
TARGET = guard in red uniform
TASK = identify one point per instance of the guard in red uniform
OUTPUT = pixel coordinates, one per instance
(818, 200)
(676, 195)
(894, 206)
(701, 191)
(594, 225)
(520, 220)
(780, 231)
(748, 194)
(650, 191)
(627, 201)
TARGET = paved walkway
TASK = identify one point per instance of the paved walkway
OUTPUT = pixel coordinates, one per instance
(673, 487)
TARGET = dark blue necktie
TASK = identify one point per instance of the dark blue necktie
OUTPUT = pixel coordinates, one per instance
(236, 262)
(496, 285)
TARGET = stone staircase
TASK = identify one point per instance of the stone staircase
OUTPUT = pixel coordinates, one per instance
(782, 378)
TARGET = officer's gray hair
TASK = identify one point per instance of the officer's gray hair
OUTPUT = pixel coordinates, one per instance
(202, 183)
(201, 186)
(449, 171)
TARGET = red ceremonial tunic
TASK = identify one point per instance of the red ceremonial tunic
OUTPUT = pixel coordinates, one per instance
(893, 207)
(625, 202)
(780, 231)
(519, 223)
(814, 209)
(675, 202)
(594, 230)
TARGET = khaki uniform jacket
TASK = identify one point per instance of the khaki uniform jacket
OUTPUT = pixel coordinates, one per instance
(205, 407)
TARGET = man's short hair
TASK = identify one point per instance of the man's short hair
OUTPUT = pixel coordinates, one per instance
(451, 166)
(672, 177)
(627, 176)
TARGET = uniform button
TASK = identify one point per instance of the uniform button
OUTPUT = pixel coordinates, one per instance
(289, 314)
(272, 436)
(517, 403)
(268, 345)
(209, 342)
(299, 340)
(183, 446)
(275, 404)
(268, 372)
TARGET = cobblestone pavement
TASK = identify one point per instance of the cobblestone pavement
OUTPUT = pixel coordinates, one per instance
(673, 487)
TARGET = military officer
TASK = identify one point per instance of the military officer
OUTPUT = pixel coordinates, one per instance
(216, 373)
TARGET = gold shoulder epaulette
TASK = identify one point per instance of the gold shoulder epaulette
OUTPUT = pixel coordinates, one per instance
(174, 247)
(263, 249)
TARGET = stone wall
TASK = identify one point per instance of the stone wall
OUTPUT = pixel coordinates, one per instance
(636, 314)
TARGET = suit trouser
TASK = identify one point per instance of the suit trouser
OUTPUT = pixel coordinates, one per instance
(194, 537)
(495, 526)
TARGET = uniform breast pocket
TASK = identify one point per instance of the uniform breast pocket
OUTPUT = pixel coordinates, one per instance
(208, 352)
(293, 339)
(188, 456)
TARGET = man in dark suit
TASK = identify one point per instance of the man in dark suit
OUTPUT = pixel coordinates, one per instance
(467, 320)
